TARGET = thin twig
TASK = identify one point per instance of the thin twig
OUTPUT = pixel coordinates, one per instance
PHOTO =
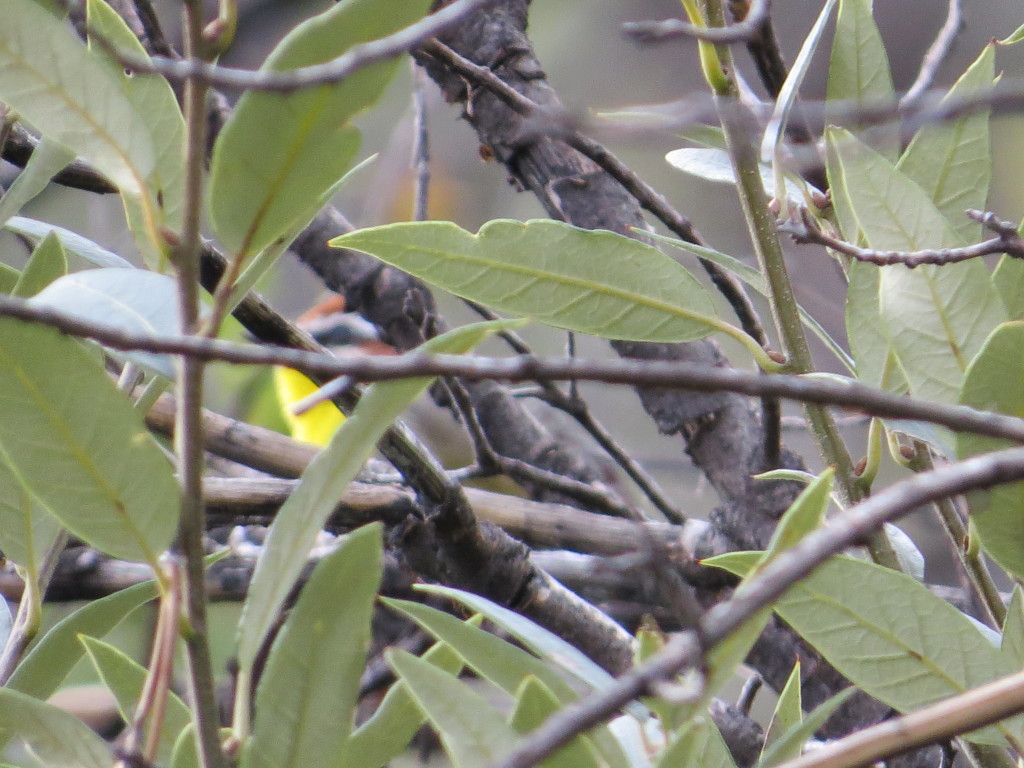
(1006, 241)
(155, 40)
(287, 81)
(671, 29)
(935, 55)
(763, 589)
(421, 145)
(189, 431)
(634, 372)
(490, 462)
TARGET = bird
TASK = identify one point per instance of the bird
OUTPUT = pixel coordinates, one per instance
(344, 333)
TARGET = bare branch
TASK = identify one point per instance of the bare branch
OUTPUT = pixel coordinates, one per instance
(634, 372)
(671, 29)
(956, 715)
(287, 81)
(935, 55)
(1007, 241)
(763, 589)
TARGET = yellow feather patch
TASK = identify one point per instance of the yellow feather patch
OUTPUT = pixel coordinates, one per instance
(316, 425)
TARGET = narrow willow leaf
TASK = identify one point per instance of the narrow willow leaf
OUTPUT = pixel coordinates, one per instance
(716, 165)
(539, 640)
(1015, 37)
(788, 710)
(473, 732)
(535, 703)
(789, 744)
(937, 317)
(279, 153)
(302, 516)
(153, 97)
(133, 300)
(1012, 645)
(753, 278)
(1008, 279)
(396, 721)
(859, 69)
(47, 160)
(773, 147)
(26, 529)
(125, 679)
(62, 417)
(56, 737)
(70, 95)
(489, 656)
(74, 243)
(47, 664)
(698, 743)
(952, 160)
(994, 383)
(307, 695)
(865, 333)
(185, 754)
(883, 646)
(46, 264)
(581, 280)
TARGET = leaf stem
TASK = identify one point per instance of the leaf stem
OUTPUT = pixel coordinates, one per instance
(740, 129)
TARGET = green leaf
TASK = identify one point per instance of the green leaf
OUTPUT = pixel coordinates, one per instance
(865, 333)
(1012, 646)
(535, 703)
(8, 278)
(994, 383)
(1016, 37)
(473, 732)
(803, 516)
(697, 743)
(303, 515)
(788, 710)
(185, 754)
(489, 656)
(581, 280)
(859, 68)
(753, 278)
(279, 153)
(952, 160)
(56, 737)
(545, 644)
(133, 300)
(715, 165)
(789, 744)
(72, 242)
(44, 668)
(153, 97)
(395, 722)
(47, 160)
(70, 95)
(125, 678)
(61, 417)
(307, 695)
(46, 264)
(884, 647)
(1008, 279)
(937, 317)
(26, 529)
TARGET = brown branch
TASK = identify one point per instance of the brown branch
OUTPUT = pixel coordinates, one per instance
(763, 589)
(1006, 241)
(671, 29)
(649, 373)
(936, 54)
